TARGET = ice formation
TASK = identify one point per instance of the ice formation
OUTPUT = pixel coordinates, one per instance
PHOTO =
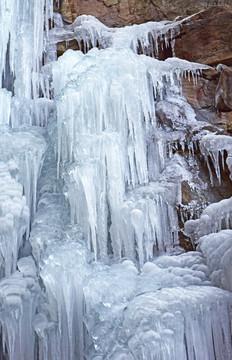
(214, 147)
(217, 250)
(214, 218)
(91, 173)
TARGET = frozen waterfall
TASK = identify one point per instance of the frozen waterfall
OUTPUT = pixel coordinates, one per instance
(94, 149)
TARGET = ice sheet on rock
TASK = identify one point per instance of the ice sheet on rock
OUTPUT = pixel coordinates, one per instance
(22, 43)
(107, 130)
(19, 296)
(26, 148)
(214, 218)
(63, 269)
(101, 127)
(148, 216)
(217, 249)
(14, 218)
(175, 113)
(90, 32)
(216, 147)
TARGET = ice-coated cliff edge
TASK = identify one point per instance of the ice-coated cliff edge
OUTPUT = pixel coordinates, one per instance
(91, 266)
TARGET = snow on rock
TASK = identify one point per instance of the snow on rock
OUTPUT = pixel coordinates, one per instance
(89, 32)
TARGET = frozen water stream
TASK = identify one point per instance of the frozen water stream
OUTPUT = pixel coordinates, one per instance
(90, 187)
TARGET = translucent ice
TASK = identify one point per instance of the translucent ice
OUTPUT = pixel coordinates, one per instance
(159, 315)
(62, 273)
(107, 130)
(214, 147)
(14, 218)
(26, 148)
(214, 218)
(89, 32)
(22, 43)
(19, 296)
(217, 249)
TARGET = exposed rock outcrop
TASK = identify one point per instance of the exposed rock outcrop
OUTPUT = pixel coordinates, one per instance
(224, 89)
(206, 37)
(126, 12)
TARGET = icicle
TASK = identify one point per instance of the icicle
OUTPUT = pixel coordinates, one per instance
(19, 299)
(212, 145)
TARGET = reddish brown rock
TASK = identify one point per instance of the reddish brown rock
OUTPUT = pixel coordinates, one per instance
(224, 89)
(206, 37)
(113, 12)
(203, 98)
(125, 12)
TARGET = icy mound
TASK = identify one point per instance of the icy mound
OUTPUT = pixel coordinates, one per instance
(178, 323)
(214, 218)
(157, 314)
(217, 249)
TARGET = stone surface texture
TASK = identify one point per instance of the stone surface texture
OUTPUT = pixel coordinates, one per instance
(126, 12)
(206, 37)
(224, 89)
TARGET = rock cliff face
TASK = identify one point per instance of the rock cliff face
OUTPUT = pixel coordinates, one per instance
(206, 37)
(126, 12)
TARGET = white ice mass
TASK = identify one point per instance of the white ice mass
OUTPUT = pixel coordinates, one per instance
(91, 174)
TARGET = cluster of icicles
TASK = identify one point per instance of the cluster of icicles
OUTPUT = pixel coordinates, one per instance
(90, 184)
